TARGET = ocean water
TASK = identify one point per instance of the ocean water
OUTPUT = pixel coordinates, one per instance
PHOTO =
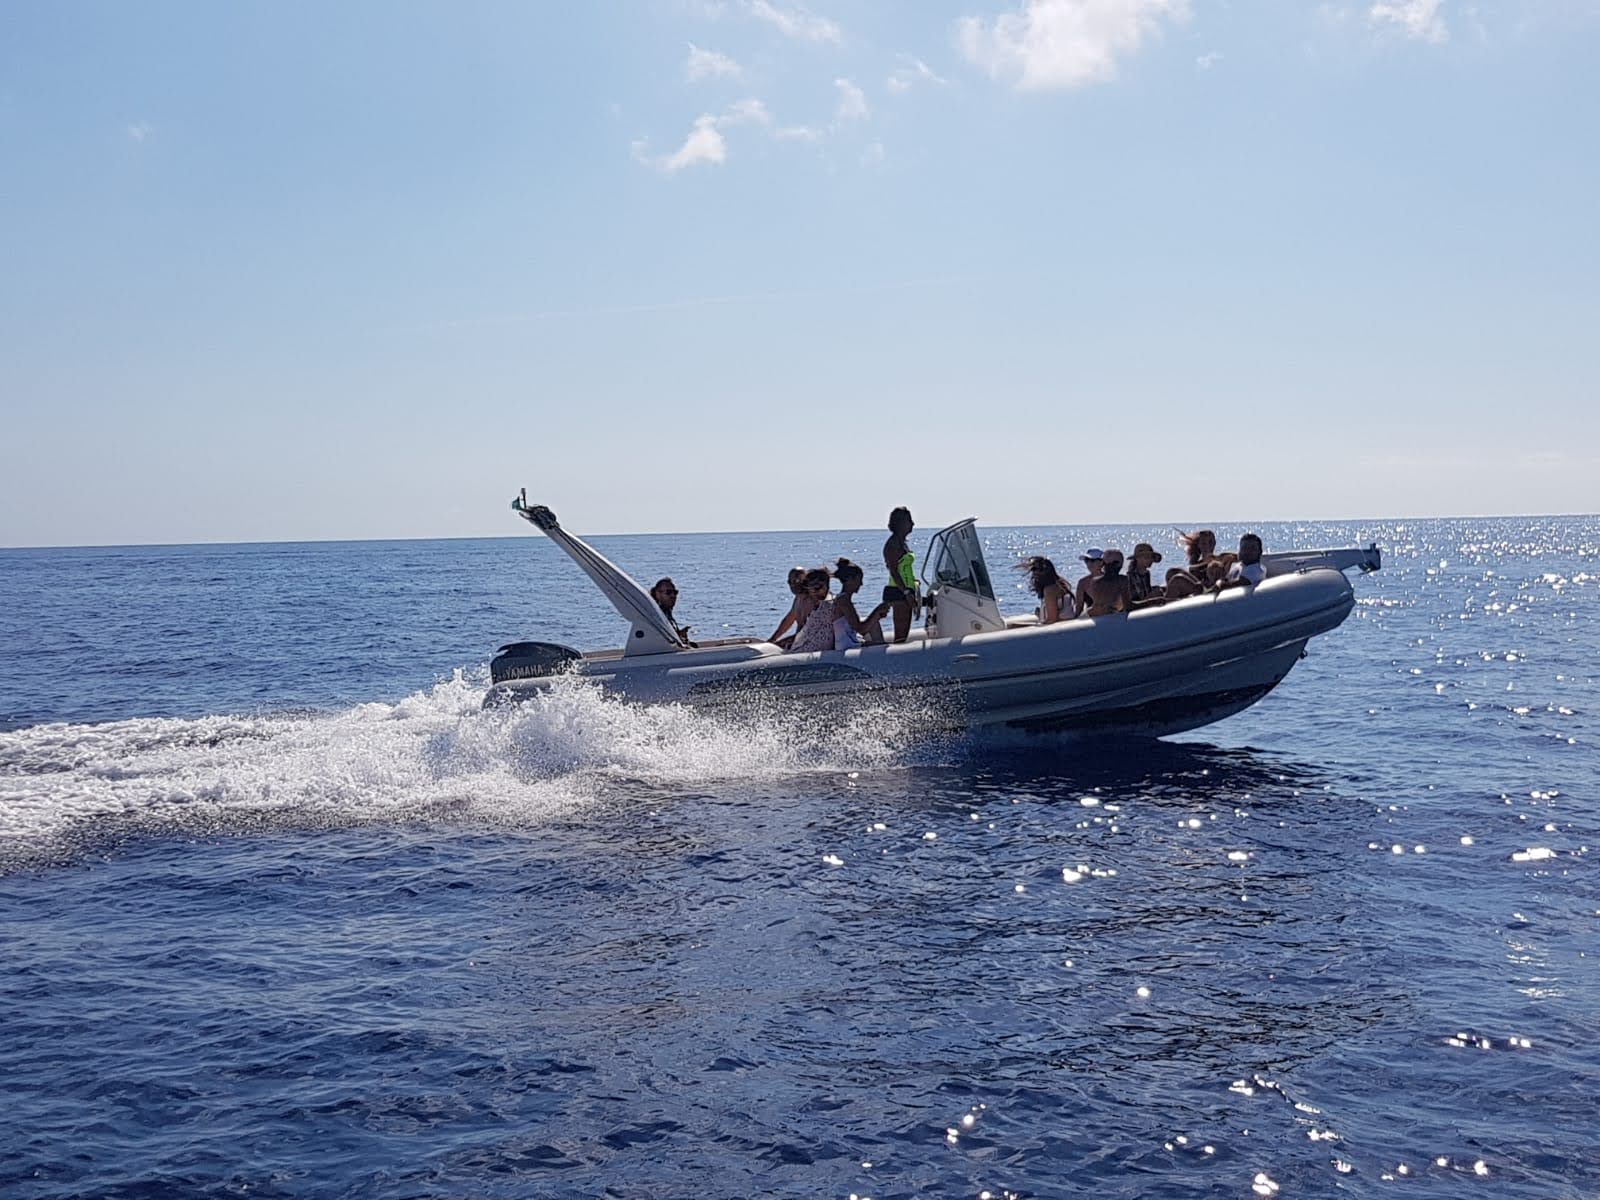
(282, 913)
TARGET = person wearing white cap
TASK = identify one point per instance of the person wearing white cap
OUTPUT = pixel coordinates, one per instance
(1094, 562)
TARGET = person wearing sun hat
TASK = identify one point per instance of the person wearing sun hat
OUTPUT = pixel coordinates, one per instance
(1144, 590)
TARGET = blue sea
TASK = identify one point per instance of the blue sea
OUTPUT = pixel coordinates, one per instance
(283, 914)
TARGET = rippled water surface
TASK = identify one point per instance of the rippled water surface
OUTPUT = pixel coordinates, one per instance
(283, 914)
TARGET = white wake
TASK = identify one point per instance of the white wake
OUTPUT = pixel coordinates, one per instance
(435, 751)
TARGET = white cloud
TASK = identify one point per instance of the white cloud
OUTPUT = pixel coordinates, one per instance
(852, 103)
(705, 144)
(794, 21)
(708, 64)
(1420, 19)
(745, 112)
(140, 130)
(915, 71)
(1208, 60)
(797, 133)
(1064, 43)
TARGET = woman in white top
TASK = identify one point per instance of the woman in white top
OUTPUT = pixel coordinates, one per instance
(848, 627)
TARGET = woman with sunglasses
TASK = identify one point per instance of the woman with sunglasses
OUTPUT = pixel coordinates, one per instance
(665, 594)
(817, 632)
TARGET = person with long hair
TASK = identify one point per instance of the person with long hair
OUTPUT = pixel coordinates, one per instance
(817, 631)
(849, 629)
(1202, 568)
(1145, 592)
(1055, 598)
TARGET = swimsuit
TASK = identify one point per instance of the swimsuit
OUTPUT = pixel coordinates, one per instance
(904, 581)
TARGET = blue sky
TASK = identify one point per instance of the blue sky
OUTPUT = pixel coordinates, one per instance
(286, 270)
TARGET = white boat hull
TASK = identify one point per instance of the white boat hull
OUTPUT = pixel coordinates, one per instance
(1157, 671)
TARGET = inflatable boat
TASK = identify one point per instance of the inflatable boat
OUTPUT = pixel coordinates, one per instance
(1158, 670)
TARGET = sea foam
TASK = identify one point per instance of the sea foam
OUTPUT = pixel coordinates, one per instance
(436, 751)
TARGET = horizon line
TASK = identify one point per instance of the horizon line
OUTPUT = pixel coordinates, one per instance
(334, 541)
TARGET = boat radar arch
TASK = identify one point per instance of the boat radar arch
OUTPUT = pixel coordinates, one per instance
(650, 632)
(958, 580)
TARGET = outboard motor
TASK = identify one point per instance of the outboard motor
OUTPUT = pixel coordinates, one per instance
(530, 660)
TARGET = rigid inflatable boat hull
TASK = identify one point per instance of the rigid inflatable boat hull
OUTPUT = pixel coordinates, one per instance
(1157, 671)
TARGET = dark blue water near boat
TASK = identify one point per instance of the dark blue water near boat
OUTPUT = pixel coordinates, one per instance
(282, 913)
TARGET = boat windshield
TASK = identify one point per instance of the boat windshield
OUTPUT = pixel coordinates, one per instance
(955, 558)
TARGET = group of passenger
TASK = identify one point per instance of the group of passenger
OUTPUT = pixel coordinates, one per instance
(1113, 583)
(819, 619)
(832, 622)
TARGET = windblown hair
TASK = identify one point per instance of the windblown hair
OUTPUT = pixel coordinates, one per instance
(896, 515)
(1198, 544)
(1041, 573)
(845, 569)
(817, 575)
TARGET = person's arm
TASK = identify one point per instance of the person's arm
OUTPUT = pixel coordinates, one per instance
(788, 622)
(1231, 579)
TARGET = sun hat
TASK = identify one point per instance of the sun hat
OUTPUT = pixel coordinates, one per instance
(1147, 548)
